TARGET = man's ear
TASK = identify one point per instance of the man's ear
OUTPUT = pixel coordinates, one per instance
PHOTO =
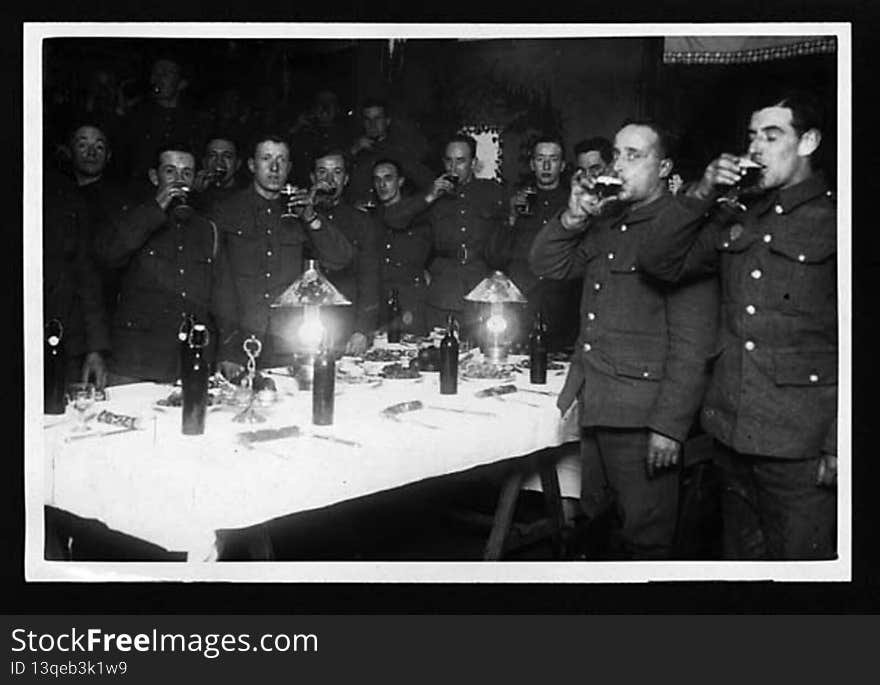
(562, 167)
(153, 176)
(251, 166)
(809, 142)
(666, 165)
(312, 178)
(402, 181)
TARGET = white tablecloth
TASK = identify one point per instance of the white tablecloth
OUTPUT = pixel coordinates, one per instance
(176, 490)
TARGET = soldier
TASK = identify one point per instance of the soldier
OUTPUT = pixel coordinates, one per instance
(640, 366)
(406, 248)
(463, 212)
(772, 402)
(359, 281)
(216, 180)
(593, 156)
(263, 255)
(167, 260)
(509, 249)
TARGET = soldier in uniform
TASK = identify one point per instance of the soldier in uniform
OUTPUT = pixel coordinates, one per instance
(557, 300)
(167, 262)
(593, 156)
(405, 248)
(263, 255)
(359, 280)
(772, 402)
(461, 216)
(71, 282)
(640, 367)
(216, 180)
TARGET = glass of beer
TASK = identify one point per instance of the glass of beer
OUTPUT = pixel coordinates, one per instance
(525, 202)
(288, 190)
(607, 186)
(179, 206)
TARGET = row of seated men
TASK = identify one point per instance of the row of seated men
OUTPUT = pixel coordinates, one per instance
(709, 307)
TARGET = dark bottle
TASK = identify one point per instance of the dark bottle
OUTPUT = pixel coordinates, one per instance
(449, 360)
(183, 333)
(323, 387)
(394, 320)
(54, 401)
(194, 379)
(538, 353)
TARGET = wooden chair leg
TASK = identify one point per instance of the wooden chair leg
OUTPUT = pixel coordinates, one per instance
(503, 517)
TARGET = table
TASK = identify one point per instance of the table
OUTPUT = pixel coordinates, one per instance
(176, 491)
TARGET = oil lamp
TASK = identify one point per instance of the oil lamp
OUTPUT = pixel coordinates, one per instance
(311, 291)
(497, 292)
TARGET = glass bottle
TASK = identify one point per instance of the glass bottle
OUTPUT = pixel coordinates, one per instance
(194, 380)
(449, 360)
(394, 320)
(323, 386)
(54, 400)
(538, 353)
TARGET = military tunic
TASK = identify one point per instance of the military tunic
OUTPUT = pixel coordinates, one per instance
(167, 269)
(262, 256)
(359, 281)
(405, 253)
(460, 226)
(774, 384)
(557, 300)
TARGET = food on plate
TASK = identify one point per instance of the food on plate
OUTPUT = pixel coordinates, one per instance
(483, 369)
(397, 370)
(384, 354)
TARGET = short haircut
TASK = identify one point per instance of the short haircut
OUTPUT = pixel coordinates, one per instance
(389, 162)
(463, 138)
(268, 137)
(548, 138)
(807, 110)
(332, 152)
(601, 145)
(667, 139)
(172, 146)
(87, 122)
(221, 135)
(376, 102)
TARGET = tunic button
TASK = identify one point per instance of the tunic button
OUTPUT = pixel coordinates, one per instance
(151, 252)
(463, 229)
(645, 374)
(269, 210)
(750, 309)
(778, 209)
(756, 274)
(268, 231)
(268, 274)
(767, 237)
(181, 272)
(388, 245)
(543, 221)
(587, 347)
(268, 253)
(180, 248)
(749, 345)
(725, 244)
(610, 255)
(597, 286)
(462, 211)
(623, 228)
(814, 378)
(183, 294)
(801, 258)
(591, 316)
(266, 295)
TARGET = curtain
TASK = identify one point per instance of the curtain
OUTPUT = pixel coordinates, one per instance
(742, 49)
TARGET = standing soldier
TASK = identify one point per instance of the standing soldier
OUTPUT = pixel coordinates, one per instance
(263, 255)
(640, 366)
(405, 249)
(772, 402)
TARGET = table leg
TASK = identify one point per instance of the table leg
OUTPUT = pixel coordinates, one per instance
(503, 517)
(553, 504)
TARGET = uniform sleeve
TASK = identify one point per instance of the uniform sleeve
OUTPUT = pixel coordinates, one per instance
(368, 281)
(830, 444)
(558, 253)
(692, 312)
(332, 247)
(681, 243)
(400, 216)
(122, 233)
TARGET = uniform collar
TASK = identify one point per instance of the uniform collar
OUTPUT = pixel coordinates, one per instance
(648, 211)
(808, 189)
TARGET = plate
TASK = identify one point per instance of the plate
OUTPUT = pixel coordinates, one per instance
(484, 371)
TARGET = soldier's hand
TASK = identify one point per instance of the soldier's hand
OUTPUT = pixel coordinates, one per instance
(827, 472)
(362, 143)
(168, 193)
(441, 186)
(720, 174)
(582, 201)
(518, 199)
(303, 202)
(202, 180)
(663, 453)
(93, 366)
(230, 370)
(356, 345)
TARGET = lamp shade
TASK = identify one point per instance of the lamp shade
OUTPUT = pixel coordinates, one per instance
(496, 287)
(311, 288)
